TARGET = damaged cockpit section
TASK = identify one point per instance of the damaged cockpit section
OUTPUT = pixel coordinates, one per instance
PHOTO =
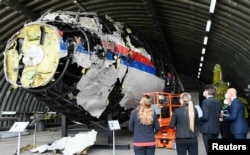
(82, 65)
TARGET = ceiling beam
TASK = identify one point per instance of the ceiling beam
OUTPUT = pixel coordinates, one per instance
(17, 6)
(151, 12)
(79, 5)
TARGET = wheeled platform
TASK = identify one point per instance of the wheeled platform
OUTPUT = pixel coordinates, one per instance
(164, 103)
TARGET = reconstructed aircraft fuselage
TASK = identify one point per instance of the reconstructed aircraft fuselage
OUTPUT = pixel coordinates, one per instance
(81, 65)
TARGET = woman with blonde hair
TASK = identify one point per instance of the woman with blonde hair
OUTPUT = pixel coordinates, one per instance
(144, 124)
(186, 121)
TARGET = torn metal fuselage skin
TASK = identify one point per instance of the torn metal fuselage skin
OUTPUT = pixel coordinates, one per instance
(81, 65)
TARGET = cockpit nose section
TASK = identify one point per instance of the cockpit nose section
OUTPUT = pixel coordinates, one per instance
(32, 56)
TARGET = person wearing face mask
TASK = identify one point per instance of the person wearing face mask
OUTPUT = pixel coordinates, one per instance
(211, 107)
(238, 124)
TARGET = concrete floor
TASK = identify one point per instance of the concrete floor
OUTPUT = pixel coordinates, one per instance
(122, 137)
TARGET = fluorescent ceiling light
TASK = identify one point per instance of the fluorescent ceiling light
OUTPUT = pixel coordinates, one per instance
(200, 69)
(198, 76)
(201, 64)
(199, 73)
(212, 6)
(205, 40)
(208, 25)
(202, 58)
(203, 51)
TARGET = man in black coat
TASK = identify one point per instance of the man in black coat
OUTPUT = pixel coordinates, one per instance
(211, 107)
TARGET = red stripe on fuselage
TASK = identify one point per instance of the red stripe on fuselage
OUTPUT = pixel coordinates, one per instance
(123, 50)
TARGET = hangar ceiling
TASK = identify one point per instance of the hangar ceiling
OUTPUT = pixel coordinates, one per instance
(176, 28)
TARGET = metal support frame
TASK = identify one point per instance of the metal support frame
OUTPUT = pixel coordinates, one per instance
(149, 6)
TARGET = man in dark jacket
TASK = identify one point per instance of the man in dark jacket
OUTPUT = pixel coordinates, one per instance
(238, 124)
(211, 107)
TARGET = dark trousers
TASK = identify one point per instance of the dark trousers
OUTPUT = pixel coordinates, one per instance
(144, 150)
(184, 145)
(207, 136)
(225, 130)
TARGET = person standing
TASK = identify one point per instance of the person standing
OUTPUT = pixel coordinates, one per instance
(186, 121)
(211, 108)
(236, 117)
(225, 125)
(144, 124)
